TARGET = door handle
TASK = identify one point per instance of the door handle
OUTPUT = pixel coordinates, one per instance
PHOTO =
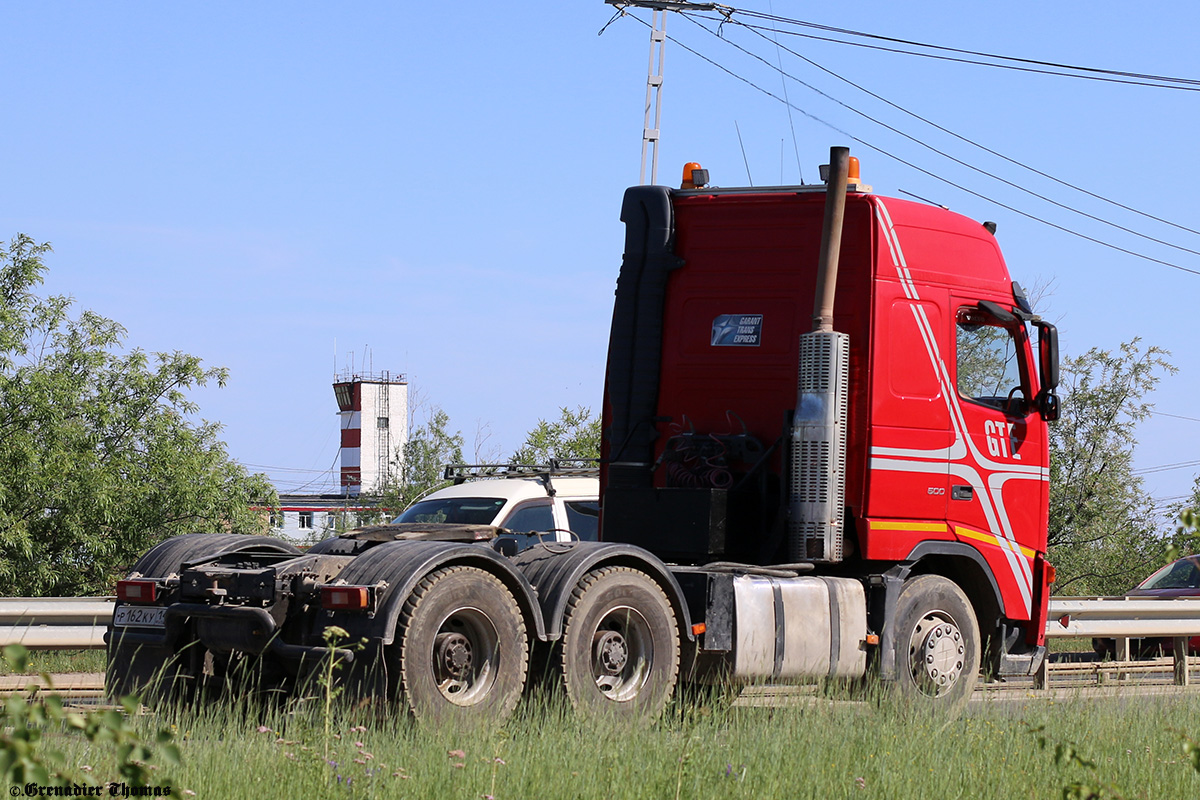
(962, 492)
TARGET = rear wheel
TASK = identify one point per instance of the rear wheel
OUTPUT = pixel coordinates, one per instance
(620, 648)
(463, 648)
(937, 642)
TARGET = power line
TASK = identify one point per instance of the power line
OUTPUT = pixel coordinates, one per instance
(928, 146)
(282, 469)
(1174, 416)
(922, 170)
(1166, 467)
(966, 140)
(1013, 62)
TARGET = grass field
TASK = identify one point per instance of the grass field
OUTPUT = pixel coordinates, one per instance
(701, 749)
(58, 661)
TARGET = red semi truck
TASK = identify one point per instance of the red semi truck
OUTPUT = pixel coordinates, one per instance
(860, 488)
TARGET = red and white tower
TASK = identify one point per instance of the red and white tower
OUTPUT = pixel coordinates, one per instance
(374, 422)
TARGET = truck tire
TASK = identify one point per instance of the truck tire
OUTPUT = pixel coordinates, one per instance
(157, 672)
(620, 646)
(937, 642)
(463, 648)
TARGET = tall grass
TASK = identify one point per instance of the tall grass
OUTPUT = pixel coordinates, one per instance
(702, 748)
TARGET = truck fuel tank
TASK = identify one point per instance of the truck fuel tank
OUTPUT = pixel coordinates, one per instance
(797, 627)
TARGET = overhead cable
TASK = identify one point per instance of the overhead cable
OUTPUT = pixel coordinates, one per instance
(922, 170)
(960, 137)
(1008, 62)
(931, 148)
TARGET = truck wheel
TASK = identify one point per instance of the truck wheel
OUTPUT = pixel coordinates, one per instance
(937, 642)
(620, 647)
(463, 646)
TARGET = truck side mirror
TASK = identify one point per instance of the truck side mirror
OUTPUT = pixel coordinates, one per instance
(1047, 400)
(1048, 406)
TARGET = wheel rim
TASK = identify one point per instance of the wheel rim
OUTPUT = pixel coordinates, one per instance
(937, 653)
(464, 655)
(622, 652)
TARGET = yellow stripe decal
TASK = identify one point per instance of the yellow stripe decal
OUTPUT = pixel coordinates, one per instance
(988, 538)
(933, 527)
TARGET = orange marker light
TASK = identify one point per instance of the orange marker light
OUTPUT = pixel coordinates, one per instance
(345, 598)
(137, 591)
(694, 176)
(853, 173)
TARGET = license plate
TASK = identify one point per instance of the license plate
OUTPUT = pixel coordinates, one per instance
(140, 617)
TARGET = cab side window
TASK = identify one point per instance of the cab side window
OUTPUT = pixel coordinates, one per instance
(989, 365)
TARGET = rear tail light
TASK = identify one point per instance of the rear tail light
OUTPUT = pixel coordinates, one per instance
(137, 591)
(345, 598)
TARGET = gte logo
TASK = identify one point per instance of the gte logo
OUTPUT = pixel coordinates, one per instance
(1001, 442)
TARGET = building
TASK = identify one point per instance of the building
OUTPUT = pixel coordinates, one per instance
(374, 422)
(309, 518)
(373, 419)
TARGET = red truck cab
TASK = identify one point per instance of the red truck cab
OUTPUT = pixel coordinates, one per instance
(945, 466)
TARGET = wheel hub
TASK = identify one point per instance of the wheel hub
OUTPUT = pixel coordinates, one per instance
(938, 652)
(454, 653)
(611, 652)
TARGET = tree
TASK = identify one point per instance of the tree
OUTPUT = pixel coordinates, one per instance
(99, 458)
(575, 434)
(426, 453)
(1104, 532)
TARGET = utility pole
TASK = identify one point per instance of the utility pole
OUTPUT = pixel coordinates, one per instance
(654, 77)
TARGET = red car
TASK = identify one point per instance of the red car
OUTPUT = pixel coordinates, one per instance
(1180, 578)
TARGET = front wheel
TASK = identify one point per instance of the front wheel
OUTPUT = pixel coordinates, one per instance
(463, 647)
(937, 642)
(620, 648)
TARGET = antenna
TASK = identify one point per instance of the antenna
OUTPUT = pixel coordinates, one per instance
(745, 160)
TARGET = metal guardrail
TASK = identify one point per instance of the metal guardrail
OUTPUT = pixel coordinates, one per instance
(55, 623)
(1122, 619)
(48, 623)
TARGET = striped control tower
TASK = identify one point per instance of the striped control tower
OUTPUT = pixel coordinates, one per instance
(374, 422)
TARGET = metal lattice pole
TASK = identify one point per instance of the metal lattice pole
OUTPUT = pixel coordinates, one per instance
(654, 81)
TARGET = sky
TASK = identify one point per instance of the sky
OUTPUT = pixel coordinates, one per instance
(290, 190)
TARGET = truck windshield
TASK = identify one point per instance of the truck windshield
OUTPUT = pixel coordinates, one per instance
(464, 510)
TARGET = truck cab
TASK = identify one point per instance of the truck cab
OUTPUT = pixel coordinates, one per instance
(947, 388)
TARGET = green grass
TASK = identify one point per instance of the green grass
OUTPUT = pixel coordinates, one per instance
(60, 661)
(700, 749)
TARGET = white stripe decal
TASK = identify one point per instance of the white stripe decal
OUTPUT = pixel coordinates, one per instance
(940, 460)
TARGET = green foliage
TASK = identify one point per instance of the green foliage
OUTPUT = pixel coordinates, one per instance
(1104, 533)
(98, 457)
(32, 724)
(428, 450)
(575, 434)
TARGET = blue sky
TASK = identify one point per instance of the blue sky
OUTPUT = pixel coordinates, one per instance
(275, 186)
